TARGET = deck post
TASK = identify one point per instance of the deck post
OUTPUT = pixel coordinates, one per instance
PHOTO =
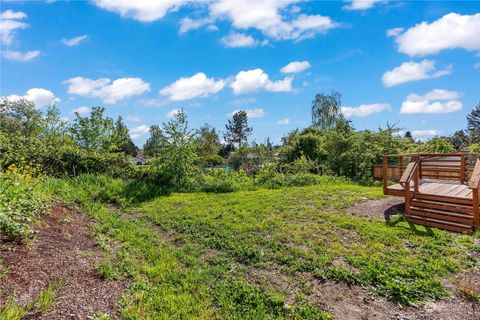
(476, 213)
(416, 180)
(385, 174)
(407, 198)
(462, 169)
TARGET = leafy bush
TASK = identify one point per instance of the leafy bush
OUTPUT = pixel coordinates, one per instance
(219, 181)
(20, 201)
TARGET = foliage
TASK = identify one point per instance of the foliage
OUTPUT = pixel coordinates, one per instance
(326, 110)
(438, 145)
(20, 201)
(153, 144)
(473, 124)
(208, 145)
(176, 160)
(237, 129)
(475, 148)
(459, 140)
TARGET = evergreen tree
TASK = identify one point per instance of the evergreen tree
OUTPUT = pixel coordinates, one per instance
(237, 129)
(153, 144)
(326, 110)
(459, 140)
(473, 124)
(123, 141)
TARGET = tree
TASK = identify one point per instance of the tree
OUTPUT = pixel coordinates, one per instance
(20, 117)
(326, 110)
(122, 140)
(473, 124)
(208, 143)
(408, 135)
(438, 145)
(459, 140)
(153, 144)
(94, 133)
(176, 158)
(237, 129)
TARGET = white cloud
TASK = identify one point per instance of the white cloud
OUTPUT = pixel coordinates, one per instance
(74, 41)
(139, 131)
(256, 79)
(141, 10)
(20, 56)
(109, 92)
(133, 118)
(361, 4)
(239, 102)
(425, 133)
(284, 121)
(237, 40)
(267, 17)
(451, 31)
(187, 24)
(435, 101)
(394, 32)
(364, 110)
(412, 71)
(196, 86)
(81, 110)
(172, 113)
(40, 97)
(9, 23)
(295, 67)
(251, 113)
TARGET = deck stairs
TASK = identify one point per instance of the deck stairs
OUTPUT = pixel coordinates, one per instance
(440, 191)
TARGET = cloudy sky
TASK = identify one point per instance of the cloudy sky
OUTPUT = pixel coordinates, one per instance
(413, 63)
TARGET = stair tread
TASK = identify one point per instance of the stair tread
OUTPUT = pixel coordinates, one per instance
(442, 222)
(447, 213)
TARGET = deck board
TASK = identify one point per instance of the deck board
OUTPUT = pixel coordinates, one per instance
(436, 188)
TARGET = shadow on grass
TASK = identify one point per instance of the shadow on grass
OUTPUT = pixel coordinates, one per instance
(399, 210)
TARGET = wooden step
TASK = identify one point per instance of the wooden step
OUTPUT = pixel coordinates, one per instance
(444, 199)
(440, 224)
(462, 218)
(443, 206)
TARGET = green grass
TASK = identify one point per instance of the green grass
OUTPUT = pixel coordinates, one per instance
(192, 255)
(44, 301)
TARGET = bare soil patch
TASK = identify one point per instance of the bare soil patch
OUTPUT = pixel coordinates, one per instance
(381, 208)
(62, 250)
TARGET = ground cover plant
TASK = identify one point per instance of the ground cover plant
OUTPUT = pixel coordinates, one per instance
(198, 254)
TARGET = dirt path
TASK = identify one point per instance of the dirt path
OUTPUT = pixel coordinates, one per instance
(63, 250)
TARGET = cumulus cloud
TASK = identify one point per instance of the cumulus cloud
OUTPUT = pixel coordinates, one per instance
(295, 67)
(364, 110)
(251, 113)
(10, 21)
(74, 41)
(196, 86)
(141, 10)
(81, 110)
(284, 121)
(187, 24)
(450, 31)
(361, 4)
(256, 80)
(412, 71)
(20, 56)
(172, 113)
(269, 19)
(394, 32)
(237, 40)
(39, 96)
(106, 90)
(139, 131)
(435, 101)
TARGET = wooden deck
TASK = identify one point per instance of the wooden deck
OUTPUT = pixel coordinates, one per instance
(443, 189)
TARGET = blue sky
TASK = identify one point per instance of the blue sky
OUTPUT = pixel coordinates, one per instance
(413, 63)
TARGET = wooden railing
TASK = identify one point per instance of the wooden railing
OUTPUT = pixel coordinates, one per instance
(444, 166)
(474, 184)
(410, 174)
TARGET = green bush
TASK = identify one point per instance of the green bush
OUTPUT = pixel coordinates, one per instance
(20, 202)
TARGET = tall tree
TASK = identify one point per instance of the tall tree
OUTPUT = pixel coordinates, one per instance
(20, 117)
(473, 124)
(122, 139)
(153, 144)
(94, 132)
(208, 142)
(176, 158)
(459, 140)
(237, 129)
(326, 110)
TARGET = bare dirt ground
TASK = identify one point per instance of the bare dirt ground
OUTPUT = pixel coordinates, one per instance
(62, 250)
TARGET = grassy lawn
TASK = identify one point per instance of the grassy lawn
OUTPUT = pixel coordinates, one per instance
(198, 255)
